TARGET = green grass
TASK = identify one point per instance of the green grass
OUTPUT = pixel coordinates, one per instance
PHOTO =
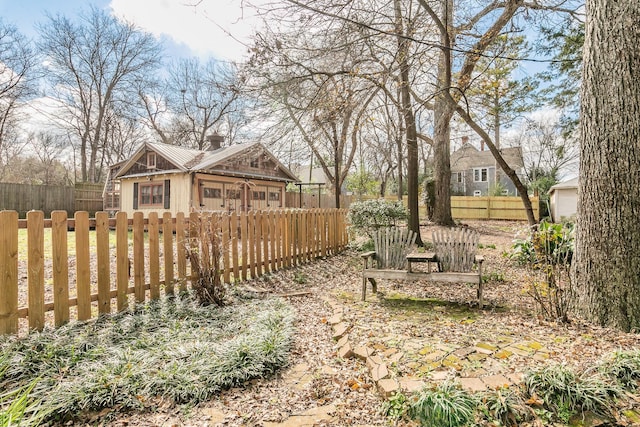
(171, 350)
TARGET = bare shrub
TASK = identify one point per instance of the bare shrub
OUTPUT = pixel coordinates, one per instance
(204, 249)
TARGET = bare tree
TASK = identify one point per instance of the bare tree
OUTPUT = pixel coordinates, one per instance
(17, 66)
(93, 63)
(202, 97)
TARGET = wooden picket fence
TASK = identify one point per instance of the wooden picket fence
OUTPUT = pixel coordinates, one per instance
(141, 256)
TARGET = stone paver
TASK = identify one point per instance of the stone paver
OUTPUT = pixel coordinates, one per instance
(307, 418)
(339, 330)
(362, 352)
(387, 387)
(345, 352)
(472, 384)
(411, 384)
(496, 381)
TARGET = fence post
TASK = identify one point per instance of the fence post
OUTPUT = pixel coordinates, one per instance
(35, 265)
(9, 272)
(122, 261)
(234, 244)
(264, 232)
(251, 225)
(60, 264)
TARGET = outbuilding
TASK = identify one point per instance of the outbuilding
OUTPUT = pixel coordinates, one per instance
(563, 198)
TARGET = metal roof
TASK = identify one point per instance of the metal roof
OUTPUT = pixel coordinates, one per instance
(191, 160)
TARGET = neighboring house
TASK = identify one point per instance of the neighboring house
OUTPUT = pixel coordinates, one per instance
(563, 198)
(168, 178)
(475, 172)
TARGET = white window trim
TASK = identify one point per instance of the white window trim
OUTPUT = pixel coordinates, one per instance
(479, 170)
(151, 164)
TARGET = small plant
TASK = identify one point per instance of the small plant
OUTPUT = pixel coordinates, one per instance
(506, 406)
(396, 407)
(443, 406)
(494, 276)
(368, 216)
(624, 368)
(300, 277)
(566, 394)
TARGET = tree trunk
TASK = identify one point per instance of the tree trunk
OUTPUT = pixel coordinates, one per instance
(607, 253)
(442, 114)
(410, 128)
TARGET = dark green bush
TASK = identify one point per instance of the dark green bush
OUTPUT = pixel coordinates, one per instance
(368, 216)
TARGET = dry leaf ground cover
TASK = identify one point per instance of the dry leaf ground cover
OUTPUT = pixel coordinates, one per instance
(424, 332)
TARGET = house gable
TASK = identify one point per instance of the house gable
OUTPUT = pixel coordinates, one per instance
(144, 164)
(249, 160)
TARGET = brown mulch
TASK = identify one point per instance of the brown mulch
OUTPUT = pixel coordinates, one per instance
(457, 322)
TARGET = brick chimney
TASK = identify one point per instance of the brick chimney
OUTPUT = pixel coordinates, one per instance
(482, 145)
(215, 141)
(465, 140)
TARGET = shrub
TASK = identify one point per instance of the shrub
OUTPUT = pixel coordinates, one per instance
(547, 253)
(204, 249)
(443, 406)
(368, 216)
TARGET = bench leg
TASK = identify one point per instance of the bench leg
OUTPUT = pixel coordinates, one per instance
(480, 299)
(374, 287)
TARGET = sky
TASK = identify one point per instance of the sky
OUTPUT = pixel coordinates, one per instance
(202, 28)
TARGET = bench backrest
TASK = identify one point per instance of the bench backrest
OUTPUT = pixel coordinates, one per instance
(456, 249)
(392, 246)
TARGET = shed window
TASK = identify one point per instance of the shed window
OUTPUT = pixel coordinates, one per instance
(151, 160)
(259, 195)
(152, 194)
(480, 174)
(212, 193)
(274, 196)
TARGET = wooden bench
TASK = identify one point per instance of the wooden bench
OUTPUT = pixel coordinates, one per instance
(388, 261)
(453, 259)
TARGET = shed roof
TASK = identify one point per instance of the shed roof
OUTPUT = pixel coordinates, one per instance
(572, 183)
(192, 160)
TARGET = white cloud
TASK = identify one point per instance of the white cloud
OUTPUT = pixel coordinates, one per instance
(207, 27)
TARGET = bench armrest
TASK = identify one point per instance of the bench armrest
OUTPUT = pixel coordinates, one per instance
(479, 259)
(370, 254)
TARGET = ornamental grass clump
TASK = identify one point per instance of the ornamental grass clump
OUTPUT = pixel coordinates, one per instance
(169, 351)
(624, 368)
(446, 405)
(566, 394)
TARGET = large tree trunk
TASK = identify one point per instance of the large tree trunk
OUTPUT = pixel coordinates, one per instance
(410, 128)
(606, 268)
(442, 114)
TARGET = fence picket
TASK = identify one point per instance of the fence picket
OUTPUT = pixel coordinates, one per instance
(60, 265)
(251, 224)
(181, 251)
(244, 239)
(233, 224)
(35, 273)
(154, 256)
(122, 261)
(104, 262)
(138, 257)
(83, 270)
(9, 272)
(167, 245)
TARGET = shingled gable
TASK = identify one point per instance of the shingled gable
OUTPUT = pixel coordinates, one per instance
(172, 158)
